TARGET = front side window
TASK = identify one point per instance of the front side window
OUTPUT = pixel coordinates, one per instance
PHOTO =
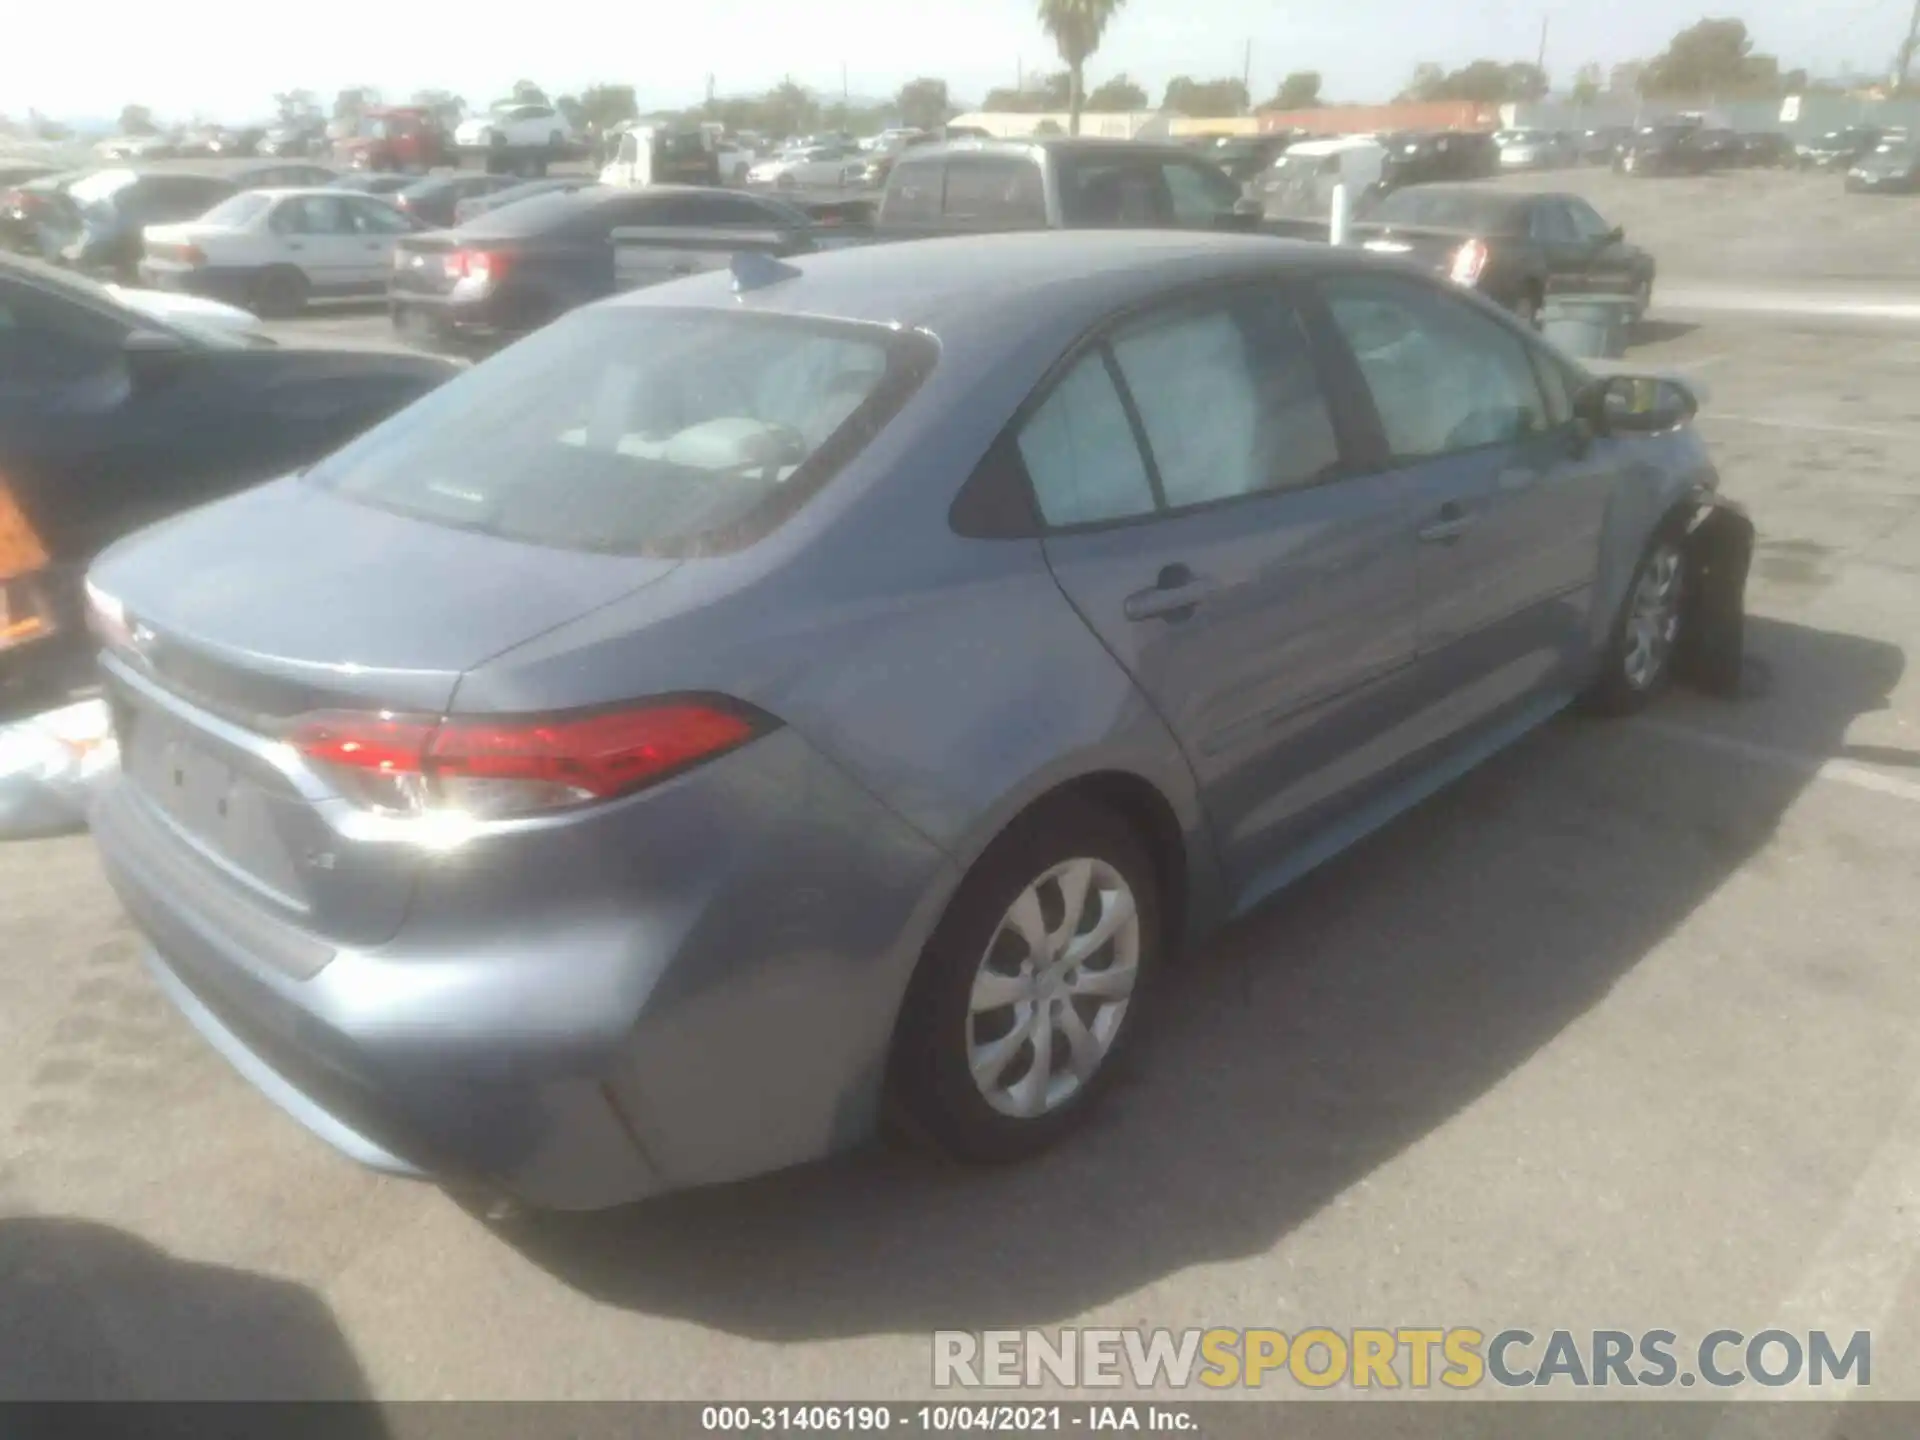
(1080, 452)
(1097, 192)
(372, 218)
(1229, 396)
(1550, 225)
(1442, 377)
(642, 431)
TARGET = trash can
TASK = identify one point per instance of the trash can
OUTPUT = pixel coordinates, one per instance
(1593, 328)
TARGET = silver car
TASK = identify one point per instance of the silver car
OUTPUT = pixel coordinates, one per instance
(769, 702)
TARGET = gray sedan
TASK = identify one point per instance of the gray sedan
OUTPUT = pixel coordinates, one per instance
(765, 704)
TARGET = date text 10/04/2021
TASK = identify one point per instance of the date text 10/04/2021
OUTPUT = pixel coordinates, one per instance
(948, 1418)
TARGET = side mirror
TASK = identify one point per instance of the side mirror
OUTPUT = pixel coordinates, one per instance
(1616, 235)
(1636, 405)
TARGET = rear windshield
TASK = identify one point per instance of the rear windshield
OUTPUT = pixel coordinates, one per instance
(237, 210)
(1445, 210)
(638, 431)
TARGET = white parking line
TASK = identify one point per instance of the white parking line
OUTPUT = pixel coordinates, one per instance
(1841, 772)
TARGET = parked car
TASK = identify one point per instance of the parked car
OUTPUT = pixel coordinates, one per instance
(1599, 146)
(1299, 186)
(473, 205)
(1768, 149)
(1671, 150)
(94, 224)
(1839, 149)
(196, 312)
(1134, 584)
(514, 130)
(36, 217)
(1529, 150)
(19, 172)
(1244, 157)
(511, 271)
(874, 174)
(1517, 250)
(1422, 158)
(432, 201)
(405, 138)
(1892, 169)
(117, 410)
(817, 166)
(298, 140)
(122, 148)
(274, 250)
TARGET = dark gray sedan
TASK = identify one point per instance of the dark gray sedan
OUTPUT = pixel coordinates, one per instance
(762, 703)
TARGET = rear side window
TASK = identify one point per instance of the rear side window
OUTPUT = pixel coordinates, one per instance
(994, 190)
(639, 431)
(913, 192)
(1080, 452)
(1113, 192)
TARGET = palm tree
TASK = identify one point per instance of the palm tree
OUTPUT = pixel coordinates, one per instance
(1076, 27)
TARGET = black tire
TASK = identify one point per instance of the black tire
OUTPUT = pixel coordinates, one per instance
(1618, 689)
(931, 1088)
(279, 292)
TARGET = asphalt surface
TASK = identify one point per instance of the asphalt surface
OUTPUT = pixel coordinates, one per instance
(1617, 1032)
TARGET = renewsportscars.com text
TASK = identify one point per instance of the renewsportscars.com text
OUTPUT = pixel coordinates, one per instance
(1413, 1358)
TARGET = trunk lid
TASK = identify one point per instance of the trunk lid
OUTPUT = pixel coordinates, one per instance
(287, 600)
(1430, 244)
(420, 265)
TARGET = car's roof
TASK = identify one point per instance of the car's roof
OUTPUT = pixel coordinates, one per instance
(964, 288)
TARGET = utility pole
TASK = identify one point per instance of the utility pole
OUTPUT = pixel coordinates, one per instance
(1246, 72)
(1541, 62)
(1905, 65)
(843, 85)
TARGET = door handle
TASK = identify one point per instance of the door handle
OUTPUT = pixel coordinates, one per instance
(1174, 597)
(1452, 522)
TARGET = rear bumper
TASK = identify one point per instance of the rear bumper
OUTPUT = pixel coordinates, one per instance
(703, 1001)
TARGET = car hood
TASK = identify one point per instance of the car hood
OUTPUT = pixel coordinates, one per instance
(168, 305)
(342, 597)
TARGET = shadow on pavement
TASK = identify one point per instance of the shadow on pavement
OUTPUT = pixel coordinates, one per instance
(89, 1312)
(1655, 332)
(1301, 1050)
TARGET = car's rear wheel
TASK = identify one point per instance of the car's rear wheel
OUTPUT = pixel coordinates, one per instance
(1031, 988)
(279, 292)
(1639, 661)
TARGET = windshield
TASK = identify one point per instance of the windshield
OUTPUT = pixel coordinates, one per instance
(638, 431)
(237, 211)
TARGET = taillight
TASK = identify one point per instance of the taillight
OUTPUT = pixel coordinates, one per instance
(479, 266)
(190, 254)
(491, 768)
(1468, 261)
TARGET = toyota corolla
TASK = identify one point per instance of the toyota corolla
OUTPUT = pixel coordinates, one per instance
(772, 702)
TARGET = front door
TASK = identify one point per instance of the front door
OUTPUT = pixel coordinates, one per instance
(1191, 472)
(1508, 500)
(318, 237)
(378, 227)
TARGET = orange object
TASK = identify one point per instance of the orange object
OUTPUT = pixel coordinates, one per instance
(21, 549)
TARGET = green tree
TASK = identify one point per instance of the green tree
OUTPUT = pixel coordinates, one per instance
(1713, 57)
(1587, 84)
(1299, 91)
(924, 103)
(525, 92)
(790, 109)
(137, 120)
(1209, 99)
(1076, 27)
(350, 104)
(1117, 95)
(1485, 82)
(605, 106)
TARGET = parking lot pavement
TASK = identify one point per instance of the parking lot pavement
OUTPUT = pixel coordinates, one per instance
(1619, 1031)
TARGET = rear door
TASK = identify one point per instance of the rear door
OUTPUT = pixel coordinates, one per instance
(1508, 500)
(1567, 256)
(378, 227)
(1192, 473)
(1609, 259)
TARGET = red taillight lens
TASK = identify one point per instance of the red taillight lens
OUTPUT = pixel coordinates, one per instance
(190, 254)
(478, 266)
(497, 767)
(1468, 261)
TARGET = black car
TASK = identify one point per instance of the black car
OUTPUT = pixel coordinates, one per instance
(1517, 250)
(300, 140)
(97, 220)
(553, 185)
(111, 420)
(432, 201)
(1839, 149)
(1767, 150)
(1599, 146)
(1893, 169)
(1441, 155)
(503, 274)
(1673, 150)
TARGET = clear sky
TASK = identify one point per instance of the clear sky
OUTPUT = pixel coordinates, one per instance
(87, 60)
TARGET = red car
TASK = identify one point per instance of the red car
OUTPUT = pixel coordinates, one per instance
(399, 138)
